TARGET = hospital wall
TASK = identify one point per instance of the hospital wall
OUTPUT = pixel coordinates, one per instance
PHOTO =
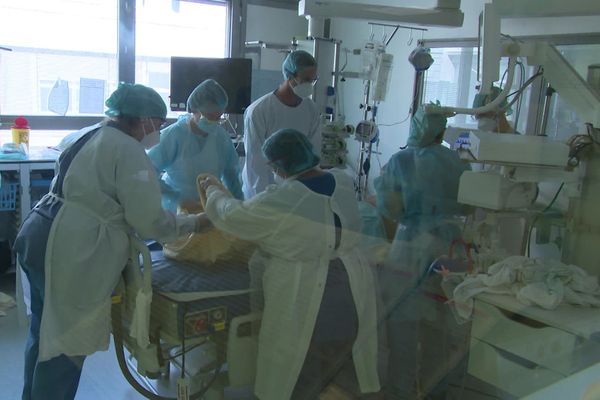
(354, 33)
(277, 25)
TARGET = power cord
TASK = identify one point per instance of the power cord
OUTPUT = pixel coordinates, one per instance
(532, 225)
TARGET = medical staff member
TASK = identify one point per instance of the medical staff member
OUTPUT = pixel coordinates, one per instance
(318, 288)
(74, 244)
(286, 107)
(493, 121)
(196, 144)
(417, 190)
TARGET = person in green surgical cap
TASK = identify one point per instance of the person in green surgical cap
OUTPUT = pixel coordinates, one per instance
(75, 242)
(319, 293)
(493, 121)
(196, 144)
(417, 191)
(287, 107)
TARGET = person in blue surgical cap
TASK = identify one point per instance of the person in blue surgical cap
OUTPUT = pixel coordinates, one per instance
(196, 144)
(286, 107)
(417, 191)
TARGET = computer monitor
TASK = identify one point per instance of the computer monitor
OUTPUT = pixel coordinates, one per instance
(234, 74)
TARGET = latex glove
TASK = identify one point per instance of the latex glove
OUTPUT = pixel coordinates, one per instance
(203, 224)
(209, 181)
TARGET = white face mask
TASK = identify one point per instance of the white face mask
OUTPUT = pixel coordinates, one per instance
(303, 89)
(278, 179)
(487, 124)
(150, 139)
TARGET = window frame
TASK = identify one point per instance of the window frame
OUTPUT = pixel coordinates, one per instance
(236, 32)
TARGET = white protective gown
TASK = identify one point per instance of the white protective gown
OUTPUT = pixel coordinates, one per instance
(295, 246)
(110, 191)
(264, 117)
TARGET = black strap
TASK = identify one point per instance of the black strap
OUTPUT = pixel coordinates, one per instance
(66, 157)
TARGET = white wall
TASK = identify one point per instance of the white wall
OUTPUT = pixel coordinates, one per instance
(354, 33)
(274, 25)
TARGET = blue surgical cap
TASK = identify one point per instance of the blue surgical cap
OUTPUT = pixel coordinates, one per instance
(290, 151)
(483, 99)
(424, 127)
(136, 101)
(296, 62)
(208, 97)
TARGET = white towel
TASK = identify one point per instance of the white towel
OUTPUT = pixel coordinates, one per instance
(544, 283)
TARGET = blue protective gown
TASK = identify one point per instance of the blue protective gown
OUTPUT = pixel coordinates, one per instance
(425, 180)
(183, 155)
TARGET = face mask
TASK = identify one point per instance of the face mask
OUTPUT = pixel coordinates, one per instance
(303, 89)
(209, 121)
(205, 124)
(487, 124)
(278, 179)
(150, 139)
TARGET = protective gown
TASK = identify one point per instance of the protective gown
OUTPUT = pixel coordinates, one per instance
(184, 155)
(295, 232)
(418, 189)
(78, 236)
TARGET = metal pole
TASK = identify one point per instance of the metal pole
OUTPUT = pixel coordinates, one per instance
(359, 193)
(417, 92)
(547, 101)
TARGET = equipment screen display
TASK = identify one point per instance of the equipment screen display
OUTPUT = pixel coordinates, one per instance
(234, 74)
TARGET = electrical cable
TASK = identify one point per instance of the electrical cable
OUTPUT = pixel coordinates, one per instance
(520, 101)
(397, 123)
(532, 225)
(232, 127)
(503, 76)
(590, 132)
(346, 51)
(183, 351)
(517, 93)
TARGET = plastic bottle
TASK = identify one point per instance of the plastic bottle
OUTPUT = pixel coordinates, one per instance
(20, 132)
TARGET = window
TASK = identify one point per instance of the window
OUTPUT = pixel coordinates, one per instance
(179, 28)
(564, 121)
(71, 41)
(452, 79)
(59, 74)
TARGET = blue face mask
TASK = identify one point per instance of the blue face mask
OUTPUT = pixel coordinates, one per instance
(206, 125)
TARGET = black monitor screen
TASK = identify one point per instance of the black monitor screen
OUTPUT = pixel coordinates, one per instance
(234, 74)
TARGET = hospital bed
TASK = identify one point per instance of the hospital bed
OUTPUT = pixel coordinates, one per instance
(196, 330)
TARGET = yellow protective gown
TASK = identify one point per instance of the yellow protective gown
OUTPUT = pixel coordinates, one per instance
(294, 230)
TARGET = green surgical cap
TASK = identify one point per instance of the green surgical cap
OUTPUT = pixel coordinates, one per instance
(208, 97)
(424, 128)
(290, 151)
(296, 62)
(483, 99)
(136, 101)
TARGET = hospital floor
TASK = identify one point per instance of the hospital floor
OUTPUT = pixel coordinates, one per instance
(101, 378)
